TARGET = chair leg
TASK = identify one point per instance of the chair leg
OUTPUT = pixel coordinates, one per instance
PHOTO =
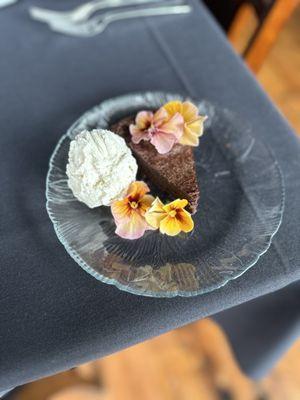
(267, 33)
(243, 27)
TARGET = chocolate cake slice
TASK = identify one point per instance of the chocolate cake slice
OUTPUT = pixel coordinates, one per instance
(173, 173)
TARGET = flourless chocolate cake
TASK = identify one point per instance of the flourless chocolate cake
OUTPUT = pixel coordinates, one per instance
(173, 172)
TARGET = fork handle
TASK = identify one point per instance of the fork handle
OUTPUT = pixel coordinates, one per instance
(148, 12)
(85, 12)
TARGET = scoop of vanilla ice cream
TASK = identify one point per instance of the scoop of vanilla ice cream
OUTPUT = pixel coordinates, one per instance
(100, 167)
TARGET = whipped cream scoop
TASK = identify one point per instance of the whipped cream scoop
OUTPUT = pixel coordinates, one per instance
(100, 167)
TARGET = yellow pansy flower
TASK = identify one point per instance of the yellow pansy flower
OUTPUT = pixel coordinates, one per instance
(171, 218)
(193, 122)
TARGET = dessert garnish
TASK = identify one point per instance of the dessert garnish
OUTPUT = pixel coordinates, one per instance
(171, 218)
(161, 130)
(100, 168)
(173, 173)
(129, 213)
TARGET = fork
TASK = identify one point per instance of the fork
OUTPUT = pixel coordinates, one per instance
(82, 12)
(97, 24)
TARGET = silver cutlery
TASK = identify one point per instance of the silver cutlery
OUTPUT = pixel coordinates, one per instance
(83, 12)
(5, 3)
(97, 24)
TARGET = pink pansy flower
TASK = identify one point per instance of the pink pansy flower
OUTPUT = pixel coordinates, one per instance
(129, 212)
(159, 128)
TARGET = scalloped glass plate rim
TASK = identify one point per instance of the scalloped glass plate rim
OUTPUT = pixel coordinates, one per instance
(114, 282)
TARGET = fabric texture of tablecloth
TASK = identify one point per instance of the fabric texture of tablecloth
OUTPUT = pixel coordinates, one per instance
(53, 315)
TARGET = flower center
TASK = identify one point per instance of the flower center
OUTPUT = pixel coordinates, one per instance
(134, 204)
(172, 213)
(152, 130)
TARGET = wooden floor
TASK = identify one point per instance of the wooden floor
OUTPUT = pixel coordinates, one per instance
(194, 362)
(190, 363)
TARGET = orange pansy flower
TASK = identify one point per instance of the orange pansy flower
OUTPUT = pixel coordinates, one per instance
(129, 213)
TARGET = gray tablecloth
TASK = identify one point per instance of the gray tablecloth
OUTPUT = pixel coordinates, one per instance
(53, 315)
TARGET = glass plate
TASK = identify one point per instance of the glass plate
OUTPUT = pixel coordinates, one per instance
(240, 209)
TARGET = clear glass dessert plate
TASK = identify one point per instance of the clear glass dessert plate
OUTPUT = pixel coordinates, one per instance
(240, 210)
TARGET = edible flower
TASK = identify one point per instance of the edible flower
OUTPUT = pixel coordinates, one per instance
(193, 122)
(162, 130)
(129, 212)
(171, 218)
